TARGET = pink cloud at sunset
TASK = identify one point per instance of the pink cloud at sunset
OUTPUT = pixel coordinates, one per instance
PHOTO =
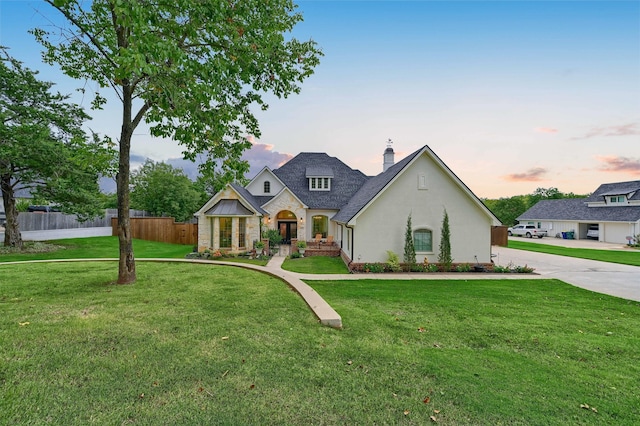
(620, 164)
(629, 129)
(260, 155)
(532, 175)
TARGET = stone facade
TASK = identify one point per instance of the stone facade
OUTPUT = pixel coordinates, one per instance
(209, 228)
(283, 202)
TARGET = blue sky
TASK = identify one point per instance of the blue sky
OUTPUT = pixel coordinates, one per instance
(512, 95)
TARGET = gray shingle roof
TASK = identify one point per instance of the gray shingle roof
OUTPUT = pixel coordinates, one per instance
(346, 181)
(256, 202)
(576, 209)
(370, 189)
(616, 188)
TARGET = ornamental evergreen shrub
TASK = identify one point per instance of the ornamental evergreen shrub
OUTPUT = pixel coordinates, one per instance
(444, 256)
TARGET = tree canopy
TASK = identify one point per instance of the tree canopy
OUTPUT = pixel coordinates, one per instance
(190, 69)
(507, 209)
(163, 190)
(43, 148)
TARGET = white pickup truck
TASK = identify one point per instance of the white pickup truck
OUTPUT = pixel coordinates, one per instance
(528, 231)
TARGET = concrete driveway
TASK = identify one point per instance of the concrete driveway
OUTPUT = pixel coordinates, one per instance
(601, 277)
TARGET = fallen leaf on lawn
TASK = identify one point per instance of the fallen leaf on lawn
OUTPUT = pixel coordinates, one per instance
(349, 362)
(580, 331)
(395, 395)
(585, 406)
(436, 411)
(22, 324)
(426, 400)
(252, 386)
(155, 383)
(433, 419)
(141, 396)
(406, 412)
(421, 330)
(435, 345)
(225, 338)
(594, 409)
(200, 389)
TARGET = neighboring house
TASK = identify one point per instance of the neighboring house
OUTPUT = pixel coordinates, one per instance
(613, 211)
(314, 193)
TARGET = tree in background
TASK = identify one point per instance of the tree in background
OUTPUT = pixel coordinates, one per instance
(444, 255)
(409, 246)
(163, 190)
(507, 209)
(190, 69)
(43, 148)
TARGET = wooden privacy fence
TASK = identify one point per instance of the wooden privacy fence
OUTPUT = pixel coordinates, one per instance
(162, 229)
(499, 236)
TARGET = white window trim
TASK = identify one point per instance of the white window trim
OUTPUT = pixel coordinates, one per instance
(319, 183)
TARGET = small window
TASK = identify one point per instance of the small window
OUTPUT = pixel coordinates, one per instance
(313, 183)
(422, 240)
(617, 199)
(225, 232)
(267, 187)
(242, 232)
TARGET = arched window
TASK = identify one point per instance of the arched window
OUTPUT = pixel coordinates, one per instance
(267, 187)
(320, 225)
(422, 240)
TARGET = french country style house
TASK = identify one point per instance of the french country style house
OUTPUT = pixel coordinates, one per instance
(315, 196)
(611, 214)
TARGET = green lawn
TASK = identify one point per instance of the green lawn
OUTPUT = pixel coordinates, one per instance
(100, 247)
(316, 265)
(206, 344)
(627, 257)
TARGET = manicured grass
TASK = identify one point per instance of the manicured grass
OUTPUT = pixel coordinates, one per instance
(205, 344)
(101, 247)
(630, 257)
(316, 265)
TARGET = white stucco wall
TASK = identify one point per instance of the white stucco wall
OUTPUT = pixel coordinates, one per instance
(382, 225)
(256, 186)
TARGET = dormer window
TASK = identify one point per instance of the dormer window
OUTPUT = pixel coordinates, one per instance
(319, 184)
(267, 187)
(319, 178)
(617, 199)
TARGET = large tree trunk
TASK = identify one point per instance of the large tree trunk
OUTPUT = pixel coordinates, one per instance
(126, 264)
(12, 236)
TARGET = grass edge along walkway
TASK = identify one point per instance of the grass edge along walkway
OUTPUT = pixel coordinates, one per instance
(631, 257)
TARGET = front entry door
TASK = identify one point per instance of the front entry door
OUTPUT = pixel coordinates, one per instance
(288, 230)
